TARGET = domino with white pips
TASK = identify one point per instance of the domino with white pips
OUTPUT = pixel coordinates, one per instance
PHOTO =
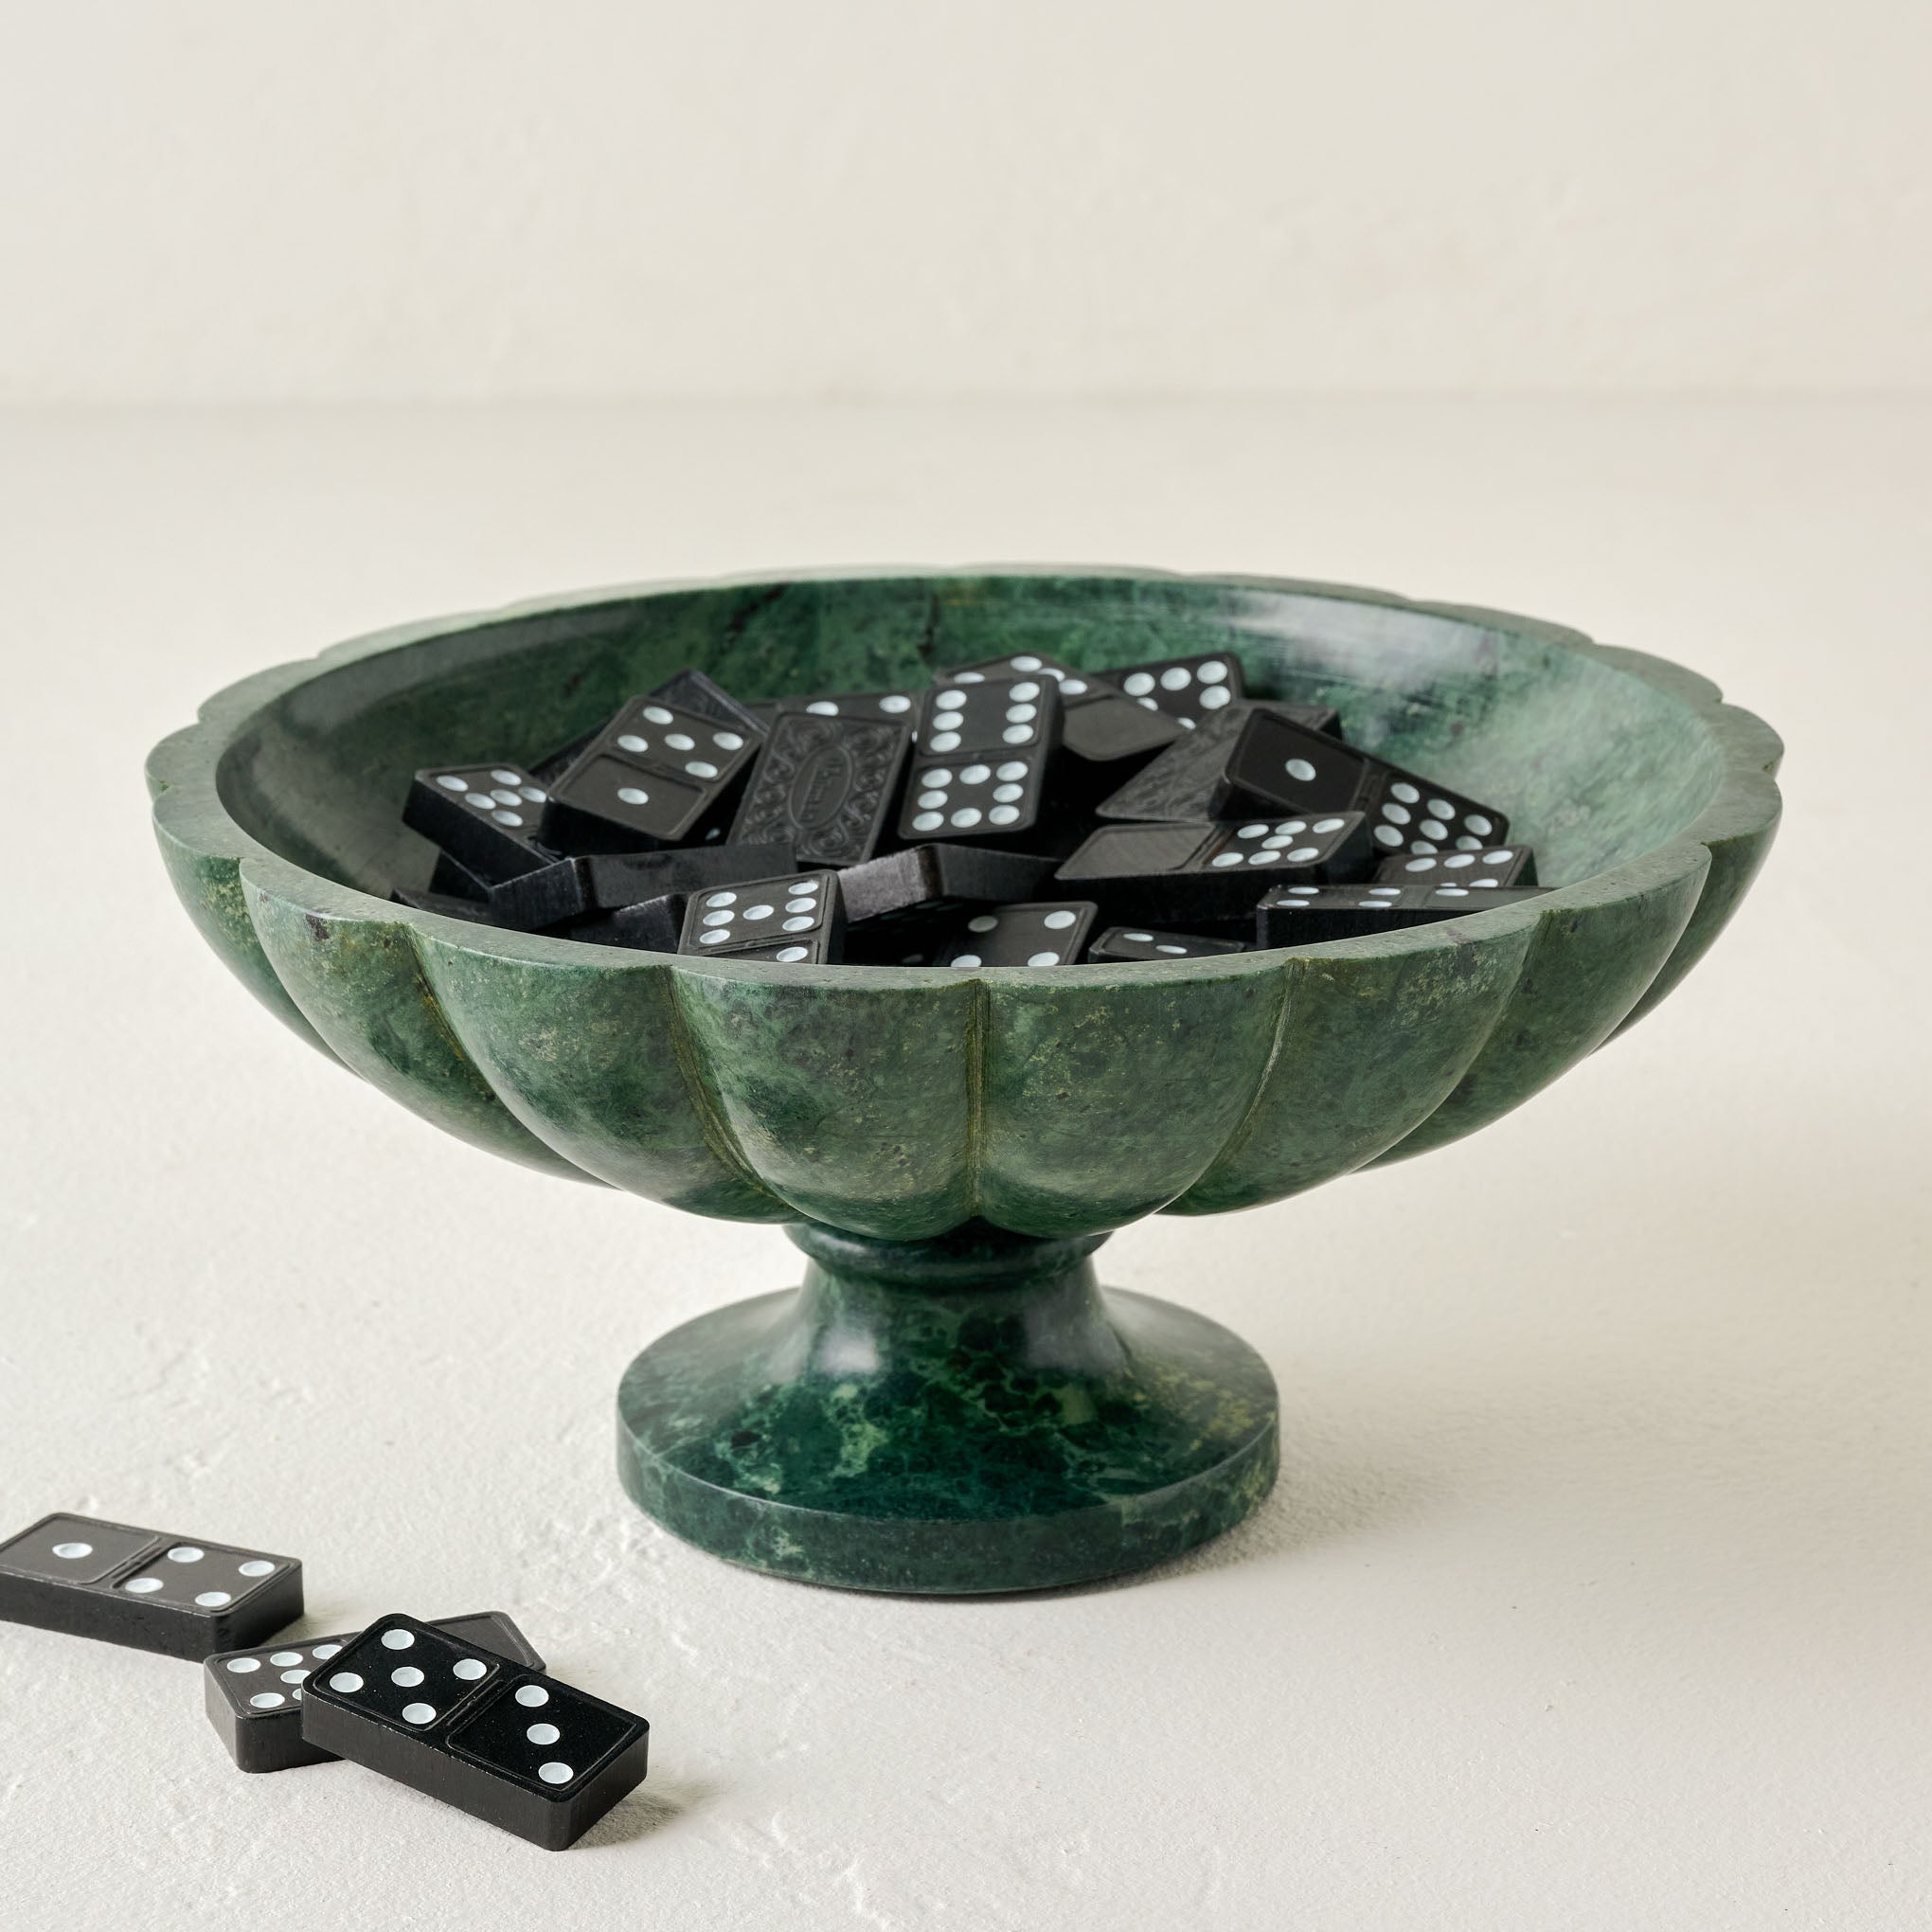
(880, 707)
(572, 889)
(977, 798)
(984, 752)
(1309, 915)
(1099, 722)
(254, 1697)
(1188, 690)
(1188, 780)
(487, 818)
(999, 715)
(459, 1723)
(1074, 684)
(1048, 932)
(149, 1590)
(794, 922)
(654, 776)
(1277, 763)
(1154, 873)
(1485, 866)
(1121, 945)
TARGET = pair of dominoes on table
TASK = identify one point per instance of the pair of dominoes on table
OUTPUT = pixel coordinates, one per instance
(462, 1709)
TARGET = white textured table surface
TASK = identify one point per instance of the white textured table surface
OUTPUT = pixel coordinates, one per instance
(1595, 1591)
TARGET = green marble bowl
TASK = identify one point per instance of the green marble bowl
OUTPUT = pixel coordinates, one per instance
(950, 1403)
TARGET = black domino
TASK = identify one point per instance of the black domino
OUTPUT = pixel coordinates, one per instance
(1310, 914)
(1188, 780)
(1122, 945)
(1276, 764)
(573, 889)
(487, 818)
(1487, 867)
(877, 708)
(794, 922)
(654, 776)
(180, 1596)
(1075, 685)
(692, 692)
(1046, 933)
(1188, 690)
(476, 910)
(926, 877)
(507, 1744)
(1098, 722)
(1153, 874)
(254, 1697)
(826, 787)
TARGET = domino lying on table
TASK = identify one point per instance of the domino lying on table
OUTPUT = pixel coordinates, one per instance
(461, 1709)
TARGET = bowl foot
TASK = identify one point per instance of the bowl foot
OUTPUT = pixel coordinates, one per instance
(966, 1414)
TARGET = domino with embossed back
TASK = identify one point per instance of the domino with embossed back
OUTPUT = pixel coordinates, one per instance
(825, 786)
(254, 1697)
(459, 1723)
(145, 1588)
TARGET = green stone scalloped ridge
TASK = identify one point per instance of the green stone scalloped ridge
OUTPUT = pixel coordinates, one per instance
(901, 1103)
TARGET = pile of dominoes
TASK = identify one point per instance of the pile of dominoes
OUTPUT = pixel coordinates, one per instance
(460, 1709)
(1019, 813)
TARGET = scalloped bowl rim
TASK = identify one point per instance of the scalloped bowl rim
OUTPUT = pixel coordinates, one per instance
(1748, 746)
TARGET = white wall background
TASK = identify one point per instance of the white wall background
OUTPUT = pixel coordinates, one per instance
(271, 199)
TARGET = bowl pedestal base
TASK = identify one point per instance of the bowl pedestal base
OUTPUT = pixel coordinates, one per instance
(970, 1413)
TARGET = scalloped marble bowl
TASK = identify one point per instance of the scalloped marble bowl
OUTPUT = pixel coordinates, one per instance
(950, 1403)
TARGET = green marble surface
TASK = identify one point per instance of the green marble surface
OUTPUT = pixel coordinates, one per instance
(966, 1414)
(902, 1104)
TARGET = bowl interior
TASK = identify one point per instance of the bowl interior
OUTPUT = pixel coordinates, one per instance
(1594, 765)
